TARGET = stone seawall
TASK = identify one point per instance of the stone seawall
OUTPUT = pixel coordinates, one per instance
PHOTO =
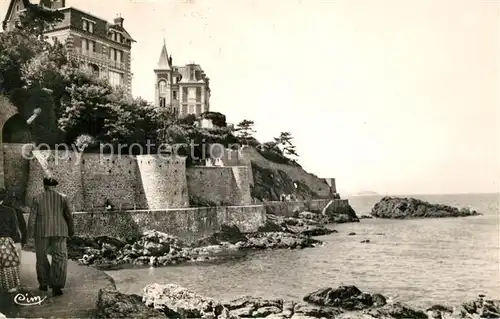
(188, 224)
(288, 209)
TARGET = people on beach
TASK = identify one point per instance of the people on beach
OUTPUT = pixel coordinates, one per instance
(51, 223)
(10, 234)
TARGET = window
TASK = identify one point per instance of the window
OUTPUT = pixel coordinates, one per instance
(191, 75)
(118, 55)
(90, 27)
(90, 46)
(192, 94)
(184, 94)
(17, 8)
(163, 88)
(85, 25)
(174, 95)
(115, 78)
(111, 53)
(162, 102)
(191, 109)
(174, 80)
(198, 94)
(84, 45)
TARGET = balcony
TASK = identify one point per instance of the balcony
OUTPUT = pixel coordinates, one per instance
(98, 58)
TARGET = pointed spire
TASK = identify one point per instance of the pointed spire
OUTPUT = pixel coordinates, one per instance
(164, 61)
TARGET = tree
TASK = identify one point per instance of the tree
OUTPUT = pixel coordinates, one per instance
(284, 141)
(16, 49)
(37, 18)
(244, 131)
(218, 119)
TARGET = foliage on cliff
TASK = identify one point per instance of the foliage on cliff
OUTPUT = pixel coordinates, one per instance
(281, 150)
(270, 184)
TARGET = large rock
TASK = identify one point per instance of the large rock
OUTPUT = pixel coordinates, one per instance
(278, 240)
(389, 311)
(305, 223)
(480, 308)
(113, 304)
(176, 301)
(401, 208)
(339, 215)
(345, 297)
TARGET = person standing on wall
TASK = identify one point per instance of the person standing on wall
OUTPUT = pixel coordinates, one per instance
(51, 223)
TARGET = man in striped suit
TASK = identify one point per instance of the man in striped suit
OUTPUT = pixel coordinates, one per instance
(50, 223)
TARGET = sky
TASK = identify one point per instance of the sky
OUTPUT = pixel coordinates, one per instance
(397, 97)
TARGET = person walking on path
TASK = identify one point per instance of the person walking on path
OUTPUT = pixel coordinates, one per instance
(10, 280)
(51, 223)
(10, 201)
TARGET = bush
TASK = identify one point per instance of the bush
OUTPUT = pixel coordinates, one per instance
(218, 119)
(44, 128)
(85, 141)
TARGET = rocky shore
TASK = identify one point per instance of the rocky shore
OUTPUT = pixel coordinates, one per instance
(344, 302)
(155, 248)
(406, 208)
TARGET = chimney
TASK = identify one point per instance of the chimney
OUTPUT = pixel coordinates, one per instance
(58, 4)
(119, 21)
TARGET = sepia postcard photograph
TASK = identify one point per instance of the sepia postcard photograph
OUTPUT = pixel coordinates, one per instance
(225, 159)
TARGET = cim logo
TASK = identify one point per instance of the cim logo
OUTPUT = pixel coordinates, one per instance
(26, 300)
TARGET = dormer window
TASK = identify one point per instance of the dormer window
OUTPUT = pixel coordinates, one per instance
(88, 26)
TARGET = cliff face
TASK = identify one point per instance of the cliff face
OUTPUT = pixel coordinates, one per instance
(270, 184)
(273, 179)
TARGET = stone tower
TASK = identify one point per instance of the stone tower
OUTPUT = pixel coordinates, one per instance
(163, 79)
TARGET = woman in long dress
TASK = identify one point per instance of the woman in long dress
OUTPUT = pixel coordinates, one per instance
(9, 255)
(11, 200)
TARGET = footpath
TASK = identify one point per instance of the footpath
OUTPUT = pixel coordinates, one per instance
(79, 298)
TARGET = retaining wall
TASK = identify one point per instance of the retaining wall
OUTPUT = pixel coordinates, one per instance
(290, 208)
(189, 224)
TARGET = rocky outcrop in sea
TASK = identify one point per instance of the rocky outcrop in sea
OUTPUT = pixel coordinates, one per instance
(339, 215)
(344, 302)
(155, 248)
(406, 208)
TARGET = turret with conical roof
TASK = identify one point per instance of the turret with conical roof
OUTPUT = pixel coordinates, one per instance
(164, 62)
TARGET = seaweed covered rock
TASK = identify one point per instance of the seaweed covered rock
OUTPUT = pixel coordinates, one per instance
(345, 297)
(404, 208)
